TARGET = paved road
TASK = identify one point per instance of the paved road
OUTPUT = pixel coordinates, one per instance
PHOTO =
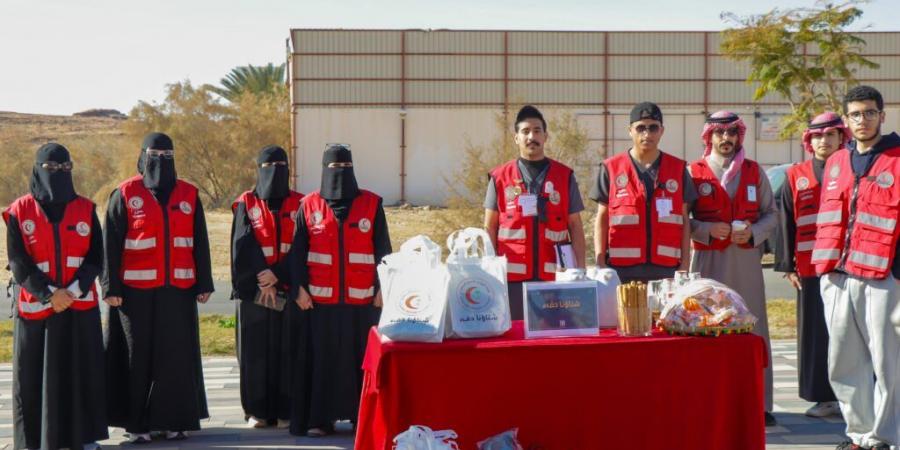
(226, 428)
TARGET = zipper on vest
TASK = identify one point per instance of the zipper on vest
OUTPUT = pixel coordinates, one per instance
(850, 221)
(165, 211)
(58, 247)
(340, 260)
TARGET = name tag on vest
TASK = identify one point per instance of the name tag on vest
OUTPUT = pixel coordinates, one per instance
(751, 193)
(528, 202)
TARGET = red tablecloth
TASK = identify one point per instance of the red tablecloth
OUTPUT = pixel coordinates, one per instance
(604, 392)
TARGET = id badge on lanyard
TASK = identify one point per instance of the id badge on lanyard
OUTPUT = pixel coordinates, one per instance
(664, 206)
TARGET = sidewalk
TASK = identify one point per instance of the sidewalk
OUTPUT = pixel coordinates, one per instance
(226, 428)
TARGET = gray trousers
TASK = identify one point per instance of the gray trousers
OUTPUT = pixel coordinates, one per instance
(864, 355)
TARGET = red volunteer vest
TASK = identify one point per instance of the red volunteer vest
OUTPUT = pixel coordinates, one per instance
(805, 190)
(627, 241)
(325, 260)
(274, 235)
(159, 245)
(714, 204)
(59, 260)
(857, 221)
(517, 233)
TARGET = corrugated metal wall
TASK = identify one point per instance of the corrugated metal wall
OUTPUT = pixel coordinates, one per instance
(353, 85)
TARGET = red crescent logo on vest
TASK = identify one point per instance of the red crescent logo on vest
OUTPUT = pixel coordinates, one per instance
(255, 213)
(835, 171)
(554, 197)
(885, 179)
(135, 202)
(185, 207)
(365, 225)
(802, 183)
(316, 217)
(509, 192)
(28, 227)
(705, 189)
(83, 229)
(672, 186)
(622, 180)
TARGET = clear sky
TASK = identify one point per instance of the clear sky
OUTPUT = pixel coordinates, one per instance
(65, 56)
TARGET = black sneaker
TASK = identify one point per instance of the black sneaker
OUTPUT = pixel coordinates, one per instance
(847, 445)
(770, 420)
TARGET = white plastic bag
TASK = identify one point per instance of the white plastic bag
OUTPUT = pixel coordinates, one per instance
(419, 437)
(414, 290)
(506, 440)
(476, 293)
(608, 281)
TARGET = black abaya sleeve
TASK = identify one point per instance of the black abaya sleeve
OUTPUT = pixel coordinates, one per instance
(787, 230)
(92, 265)
(382, 238)
(247, 259)
(297, 256)
(202, 261)
(115, 225)
(24, 270)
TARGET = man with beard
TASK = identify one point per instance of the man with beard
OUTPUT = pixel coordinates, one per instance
(799, 207)
(269, 331)
(856, 255)
(532, 209)
(55, 253)
(734, 214)
(640, 229)
(342, 234)
(157, 268)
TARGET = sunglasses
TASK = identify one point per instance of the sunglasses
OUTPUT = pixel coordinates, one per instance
(652, 129)
(153, 153)
(733, 131)
(53, 166)
(273, 164)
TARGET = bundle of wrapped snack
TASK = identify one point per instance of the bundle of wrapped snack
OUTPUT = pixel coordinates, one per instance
(706, 307)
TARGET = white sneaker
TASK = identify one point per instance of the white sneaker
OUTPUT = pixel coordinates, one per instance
(824, 409)
(282, 424)
(139, 438)
(253, 422)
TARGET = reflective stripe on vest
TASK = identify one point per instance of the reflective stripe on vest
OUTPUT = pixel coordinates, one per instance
(187, 242)
(556, 236)
(360, 258)
(549, 267)
(882, 223)
(139, 275)
(828, 254)
(673, 219)
(267, 251)
(511, 233)
(806, 246)
(516, 268)
(184, 274)
(624, 219)
(809, 219)
(319, 258)
(320, 291)
(140, 244)
(625, 252)
(285, 248)
(868, 259)
(44, 266)
(828, 217)
(74, 261)
(34, 307)
(359, 293)
(671, 252)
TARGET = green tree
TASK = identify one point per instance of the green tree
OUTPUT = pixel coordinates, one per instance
(250, 79)
(805, 55)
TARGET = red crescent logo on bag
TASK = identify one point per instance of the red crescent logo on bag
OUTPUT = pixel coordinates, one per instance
(414, 303)
(474, 294)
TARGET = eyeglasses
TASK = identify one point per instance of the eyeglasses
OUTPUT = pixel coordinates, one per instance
(339, 164)
(273, 163)
(153, 153)
(652, 129)
(733, 131)
(52, 166)
(869, 114)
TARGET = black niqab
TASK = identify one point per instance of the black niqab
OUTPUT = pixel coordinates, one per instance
(338, 183)
(159, 173)
(53, 190)
(272, 182)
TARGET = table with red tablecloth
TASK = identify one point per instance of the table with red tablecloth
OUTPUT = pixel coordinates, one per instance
(606, 392)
